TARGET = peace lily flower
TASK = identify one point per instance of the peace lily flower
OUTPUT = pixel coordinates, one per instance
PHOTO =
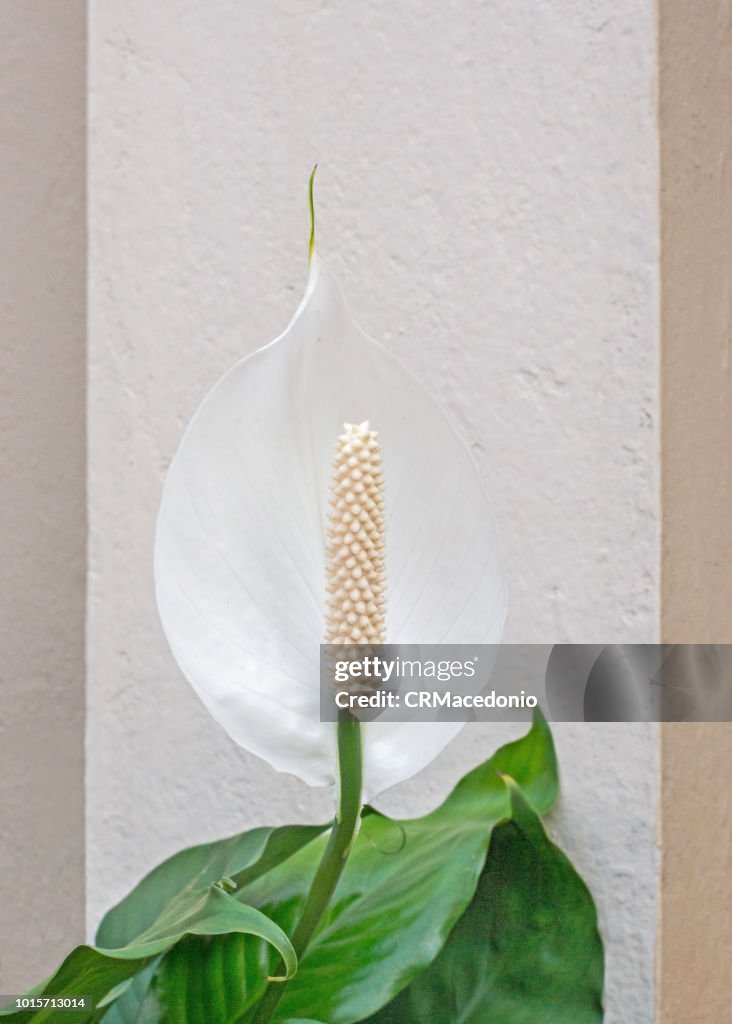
(241, 554)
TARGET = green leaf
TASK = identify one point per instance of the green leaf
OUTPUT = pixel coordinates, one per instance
(187, 895)
(94, 971)
(527, 950)
(404, 886)
(124, 1009)
(240, 858)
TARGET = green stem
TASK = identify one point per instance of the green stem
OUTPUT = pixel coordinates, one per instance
(334, 858)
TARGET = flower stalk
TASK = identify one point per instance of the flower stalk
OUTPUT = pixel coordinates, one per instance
(335, 855)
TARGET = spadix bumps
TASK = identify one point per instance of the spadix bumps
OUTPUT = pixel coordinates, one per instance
(355, 567)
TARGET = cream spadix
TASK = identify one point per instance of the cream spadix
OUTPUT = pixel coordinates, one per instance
(355, 550)
(242, 536)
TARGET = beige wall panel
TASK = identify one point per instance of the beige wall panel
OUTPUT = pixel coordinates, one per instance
(42, 470)
(696, 318)
(695, 45)
(695, 983)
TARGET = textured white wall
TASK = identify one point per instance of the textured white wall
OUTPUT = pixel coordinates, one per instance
(487, 192)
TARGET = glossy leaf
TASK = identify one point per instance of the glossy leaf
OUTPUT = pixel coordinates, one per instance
(125, 1008)
(188, 895)
(95, 972)
(404, 886)
(395, 907)
(527, 950)
(240, 858)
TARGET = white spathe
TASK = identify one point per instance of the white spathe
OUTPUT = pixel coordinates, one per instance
(241, 536)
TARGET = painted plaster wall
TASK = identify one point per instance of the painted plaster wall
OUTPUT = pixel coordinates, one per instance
(695, 109)
(487, 193)
(42, 479)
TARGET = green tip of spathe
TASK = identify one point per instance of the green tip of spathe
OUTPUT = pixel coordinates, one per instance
(311, 204)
